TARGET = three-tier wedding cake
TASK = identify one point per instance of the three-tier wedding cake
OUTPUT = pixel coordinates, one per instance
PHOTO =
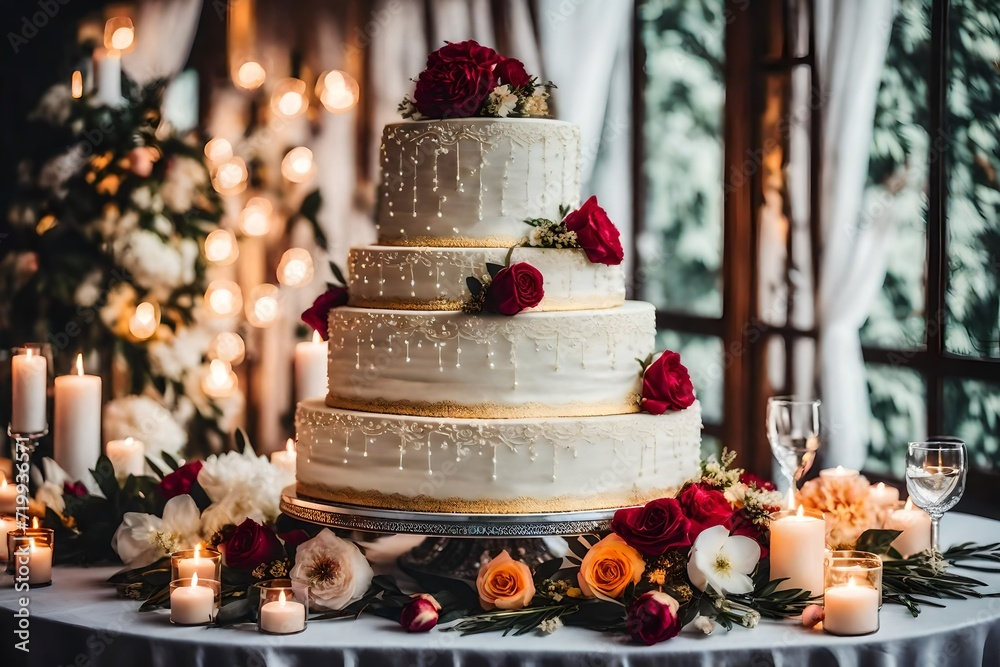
(486, 360)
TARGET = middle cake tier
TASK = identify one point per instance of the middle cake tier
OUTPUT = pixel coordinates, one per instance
(449, 364)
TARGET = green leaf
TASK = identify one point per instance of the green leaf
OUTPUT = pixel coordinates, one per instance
(578, 547)
(155, 468)
(242, 440)
(493, 269)
(338, 274)
(548, 569)
(170, 460)
(104, 475)
(877, 541)
(475, 285)
(240, 611)
(310, 211)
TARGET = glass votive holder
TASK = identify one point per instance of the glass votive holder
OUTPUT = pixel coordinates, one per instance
(283, 607)
(852, 594)
(8, 524)
(186, 563)
(29, 555)
(194, 601)
(837, 555)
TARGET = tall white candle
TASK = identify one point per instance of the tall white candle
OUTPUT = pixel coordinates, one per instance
(109, 77)
(128, 457)
(283, 616)
(798, 545)
(916, 526)
(8, 497)
(7, 524)
(77, 421)
(285, 459)
(851, 609)
(310, 368)
(192, 605)
(29, 377)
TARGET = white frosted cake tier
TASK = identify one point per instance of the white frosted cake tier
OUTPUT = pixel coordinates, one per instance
(494, 466)
(473, 181)
(435, 278)
(449, 364)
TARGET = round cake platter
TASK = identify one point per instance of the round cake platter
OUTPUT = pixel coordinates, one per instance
(442, 555)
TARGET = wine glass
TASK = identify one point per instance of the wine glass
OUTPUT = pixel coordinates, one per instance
(935, 479)
(793, 431)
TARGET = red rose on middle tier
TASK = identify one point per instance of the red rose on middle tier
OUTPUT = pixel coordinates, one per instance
(513, 289)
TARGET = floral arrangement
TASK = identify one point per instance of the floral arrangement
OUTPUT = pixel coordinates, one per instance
(846, 504)
(588, 227)
(112, 214)
(466, 79)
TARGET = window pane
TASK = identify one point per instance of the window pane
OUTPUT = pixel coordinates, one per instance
(710, 446)
(680, 249)
(899, 415)
(897, 179)
(973, 123)
(972, 413)
(703, 357)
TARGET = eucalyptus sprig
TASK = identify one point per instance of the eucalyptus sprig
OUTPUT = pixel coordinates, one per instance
(516, 621)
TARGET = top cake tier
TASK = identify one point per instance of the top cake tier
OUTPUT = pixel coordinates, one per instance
(473, 181)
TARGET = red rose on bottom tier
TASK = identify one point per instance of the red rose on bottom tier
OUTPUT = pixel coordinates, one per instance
(666, 385)
(513, 289)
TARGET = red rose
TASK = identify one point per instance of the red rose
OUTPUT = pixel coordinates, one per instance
(741, 524)
(511, 71)
(595, 233)
(317, 314)
(756, 482)
(293, 539)
(180, 481)
(653, 529)
(513, 289)
(666, 385)
(74, 489)
(420, 614)
(250, 545)
(704, 508)
(652, 618)
(457, 80)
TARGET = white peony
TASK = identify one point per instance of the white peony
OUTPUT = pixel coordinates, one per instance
(179, 354)
(241, 486)
(118, 306)
(142, 539)
(335, 570)
(144, 419)
(184, 176)
(722, 562)
(502, 101)
(154, 264)
(142, 197)
(89, 290)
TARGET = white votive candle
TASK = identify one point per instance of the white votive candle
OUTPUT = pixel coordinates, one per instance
(192, 605)
(7, 525)
(310, 368)
(29, 377)
(883, 496)
(838, 473)
(77, 421)
(197, 565)
(915, 525)
(285, 458)
(283, 616)
(850, 609)
(8, 497)
(798, 546)
(39, 560)
(128, 456)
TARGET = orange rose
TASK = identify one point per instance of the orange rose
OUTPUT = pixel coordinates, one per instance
(504, 583)
(609, 567)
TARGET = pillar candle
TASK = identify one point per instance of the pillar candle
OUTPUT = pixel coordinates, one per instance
(29, 377)
(109, 77)
(916, 526)
(798, 545)
(192, 605)
(128, 456)
(285, 459)
(310, 369)
(7, 524)
(840, 472)
(850, 609)
(8, 497)
(283, 616)
(883, 496)
(77, 421)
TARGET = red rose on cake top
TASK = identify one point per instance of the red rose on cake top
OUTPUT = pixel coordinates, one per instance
(595, 233)
(666, 385)
(458, 78)
(511, 71)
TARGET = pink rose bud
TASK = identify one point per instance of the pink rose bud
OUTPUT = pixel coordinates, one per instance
(420, 614)
(652, 618)
(812, 615)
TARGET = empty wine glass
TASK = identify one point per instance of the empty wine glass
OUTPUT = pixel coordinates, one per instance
(793, 431)
(935, 479)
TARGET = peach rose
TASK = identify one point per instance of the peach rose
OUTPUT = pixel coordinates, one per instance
(504, 583)
(609, 567)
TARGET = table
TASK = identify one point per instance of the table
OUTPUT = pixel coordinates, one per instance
(80, 621)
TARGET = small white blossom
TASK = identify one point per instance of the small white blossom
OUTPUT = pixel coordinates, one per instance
(548, 626)
(535, 237)
(750, 619)
(502, 101)
(705, 624)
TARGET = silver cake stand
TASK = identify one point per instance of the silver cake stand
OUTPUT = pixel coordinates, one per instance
(478, 536)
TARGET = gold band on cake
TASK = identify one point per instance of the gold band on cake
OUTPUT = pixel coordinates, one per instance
(496, 241)
(450, 409)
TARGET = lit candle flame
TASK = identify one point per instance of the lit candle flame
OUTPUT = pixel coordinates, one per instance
(290, 446)
(801, 512)
(909, 504)
(79, 364)
(128, 441)
(76, 85)
(194, 579)
(881, 487)
(840, 470)
(197, 552)
(791, 498)
(29, 352)
(34, 522)
(281, 598)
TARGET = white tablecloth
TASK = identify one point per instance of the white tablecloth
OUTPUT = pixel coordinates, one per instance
(80, 621)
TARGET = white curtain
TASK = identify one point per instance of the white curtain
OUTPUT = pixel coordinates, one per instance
(164, 33)
(852, 37)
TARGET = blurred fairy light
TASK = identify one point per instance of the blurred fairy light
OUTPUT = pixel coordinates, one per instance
(218, 150)
(230, 177)
(295, 268)
(144, 321)
(76, 85)
(119, 33)
(220, 381)
(221, 247)
(262, 305)
(298, 165)
(224, 298)
(250, 75)
(288, 99)
(338, 91)
(255, 218)
(228, 346)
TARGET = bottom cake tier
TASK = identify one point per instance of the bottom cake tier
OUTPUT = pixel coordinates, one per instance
(494, 466)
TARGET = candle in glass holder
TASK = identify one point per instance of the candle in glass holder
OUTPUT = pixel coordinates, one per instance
(77, 421)
(39, 563)
(798, 545)
(915, 525)
(128, 457)
(282, 616)
(29, 380)
(838, 473)
(8, 524)
(191, 603)
(30, 549)
(285, 459)
(852, 594)
(883, 496)
(8, 497)
(203, 564)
